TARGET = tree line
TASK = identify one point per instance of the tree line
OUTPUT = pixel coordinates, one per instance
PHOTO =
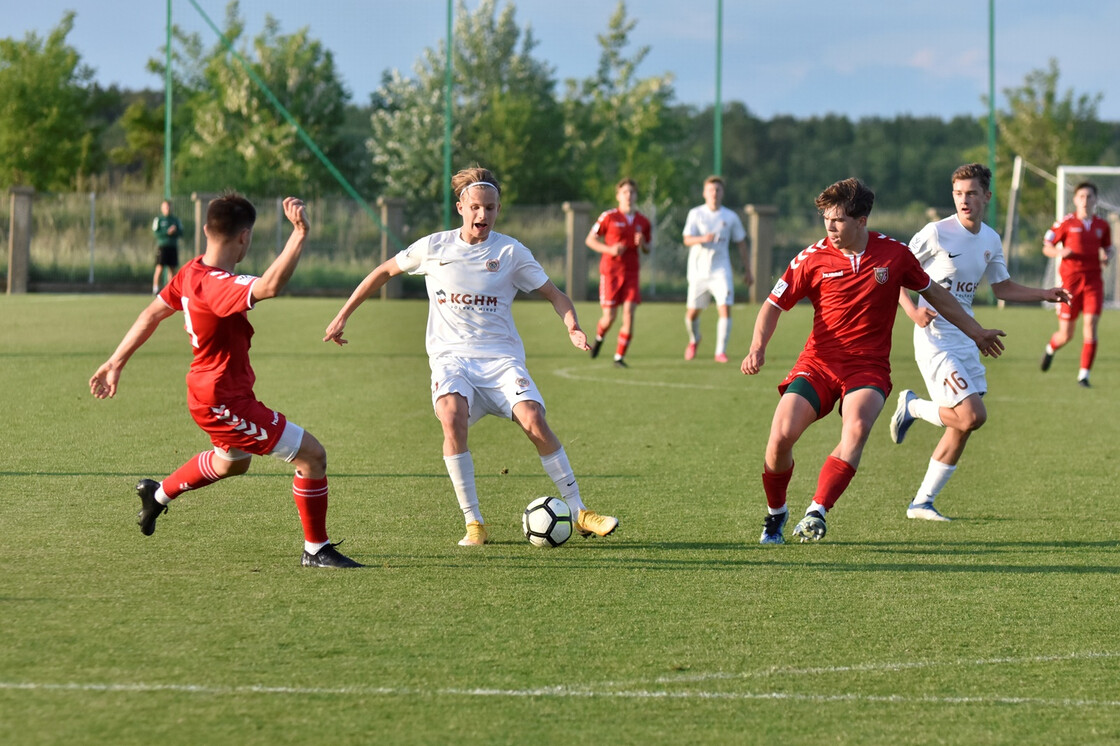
(60, 130)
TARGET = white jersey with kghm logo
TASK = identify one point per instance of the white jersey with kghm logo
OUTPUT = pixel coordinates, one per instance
(958, 260)
(470, 292)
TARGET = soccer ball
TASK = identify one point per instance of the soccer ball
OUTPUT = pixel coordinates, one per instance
(547, 522)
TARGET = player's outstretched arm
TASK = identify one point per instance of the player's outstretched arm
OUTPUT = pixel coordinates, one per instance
(367, 287)
(988, 340)
(103, 383)
(564, 308)
(1016, 293)
(276, 277)
(764, 326)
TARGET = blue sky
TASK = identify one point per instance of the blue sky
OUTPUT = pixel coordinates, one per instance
(799, 57)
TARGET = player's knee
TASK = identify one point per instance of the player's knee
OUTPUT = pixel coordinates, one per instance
(973, 420)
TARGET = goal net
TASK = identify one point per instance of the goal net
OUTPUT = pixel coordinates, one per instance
(1107, 180)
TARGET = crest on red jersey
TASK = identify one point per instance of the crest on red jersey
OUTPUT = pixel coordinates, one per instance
(881, 275)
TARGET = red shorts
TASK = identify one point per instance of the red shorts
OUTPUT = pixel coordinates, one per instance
(1086, 295)
(833, 381)
(245, 424)
(618, 288)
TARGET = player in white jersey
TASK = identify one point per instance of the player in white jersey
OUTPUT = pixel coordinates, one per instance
(475, 353)
(957, 253)
(708, 232)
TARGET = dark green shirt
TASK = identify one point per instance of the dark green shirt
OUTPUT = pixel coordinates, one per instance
(160, 227)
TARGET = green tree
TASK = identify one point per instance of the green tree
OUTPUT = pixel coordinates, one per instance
(237, 137)
(619, 124)
(46, 137)
(1047, 128)
(505, 115)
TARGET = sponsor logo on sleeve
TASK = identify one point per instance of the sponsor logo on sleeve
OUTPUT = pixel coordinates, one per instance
(779, 288)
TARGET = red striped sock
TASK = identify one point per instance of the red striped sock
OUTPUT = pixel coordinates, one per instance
(198, 472)
(623, 345)
(311, 502)
(775, 484)
(1088, 354)
(834, 478)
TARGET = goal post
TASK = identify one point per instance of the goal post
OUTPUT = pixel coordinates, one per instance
(1107, 180)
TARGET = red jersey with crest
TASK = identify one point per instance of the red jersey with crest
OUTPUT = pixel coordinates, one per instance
(215, 306)
(1084, 241)
(614, 227)
(854, 297)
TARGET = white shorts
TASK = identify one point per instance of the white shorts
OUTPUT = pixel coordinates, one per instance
(285, 449)
(717, 285)
(490, 385)
(953, 375)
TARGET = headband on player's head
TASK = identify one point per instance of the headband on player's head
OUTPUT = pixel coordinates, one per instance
(477, 183)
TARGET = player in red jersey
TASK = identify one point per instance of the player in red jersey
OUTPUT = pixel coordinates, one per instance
(1082, 242)
(215, 303)
(852, 277)
(619, 235)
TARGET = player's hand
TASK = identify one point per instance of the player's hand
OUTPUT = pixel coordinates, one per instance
(708, 238)
(103, 383)
(923, 316)
(296, 213)
(753, 362)
(1056, 295)
(334, 332)
(748, 278)
(618, 249)
(579, 339)
(989, 342)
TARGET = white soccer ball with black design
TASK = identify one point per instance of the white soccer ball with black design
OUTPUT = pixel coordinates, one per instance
(547, 522)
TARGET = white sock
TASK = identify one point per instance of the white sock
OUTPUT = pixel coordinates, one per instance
(693, 326)
(816, 506)
(558, 469)
(777, 511)
(313, 547)
(161, 496)
(723, 331)
(924, 409)
(1082, 374)
(460, 468)
(1050, 349)
(937, 476)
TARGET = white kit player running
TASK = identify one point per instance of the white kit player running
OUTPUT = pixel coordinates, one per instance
(708, 232)
(475, 353)
(957, 253)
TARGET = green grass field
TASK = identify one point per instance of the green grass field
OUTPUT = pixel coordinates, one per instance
(1000, 627)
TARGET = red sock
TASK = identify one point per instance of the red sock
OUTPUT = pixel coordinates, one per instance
(833, 480)
(774, 484)
(623, 345)
(198, 472)
(311, 502)
(1088, 353)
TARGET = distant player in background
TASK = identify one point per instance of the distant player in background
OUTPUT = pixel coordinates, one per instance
(476, 356)
(215, 303)
(708, 232)
(1081, 242)
(168, 230)
(957, 253)
(619, 235)
(853, 278)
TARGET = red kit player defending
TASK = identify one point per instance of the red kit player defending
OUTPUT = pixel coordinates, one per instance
(619, 235)
(852, 277)
(215, 302)
(1081, 242)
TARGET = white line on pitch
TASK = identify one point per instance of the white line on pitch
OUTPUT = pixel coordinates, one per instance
(870, 668)
(554, 692)
(571, 375)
